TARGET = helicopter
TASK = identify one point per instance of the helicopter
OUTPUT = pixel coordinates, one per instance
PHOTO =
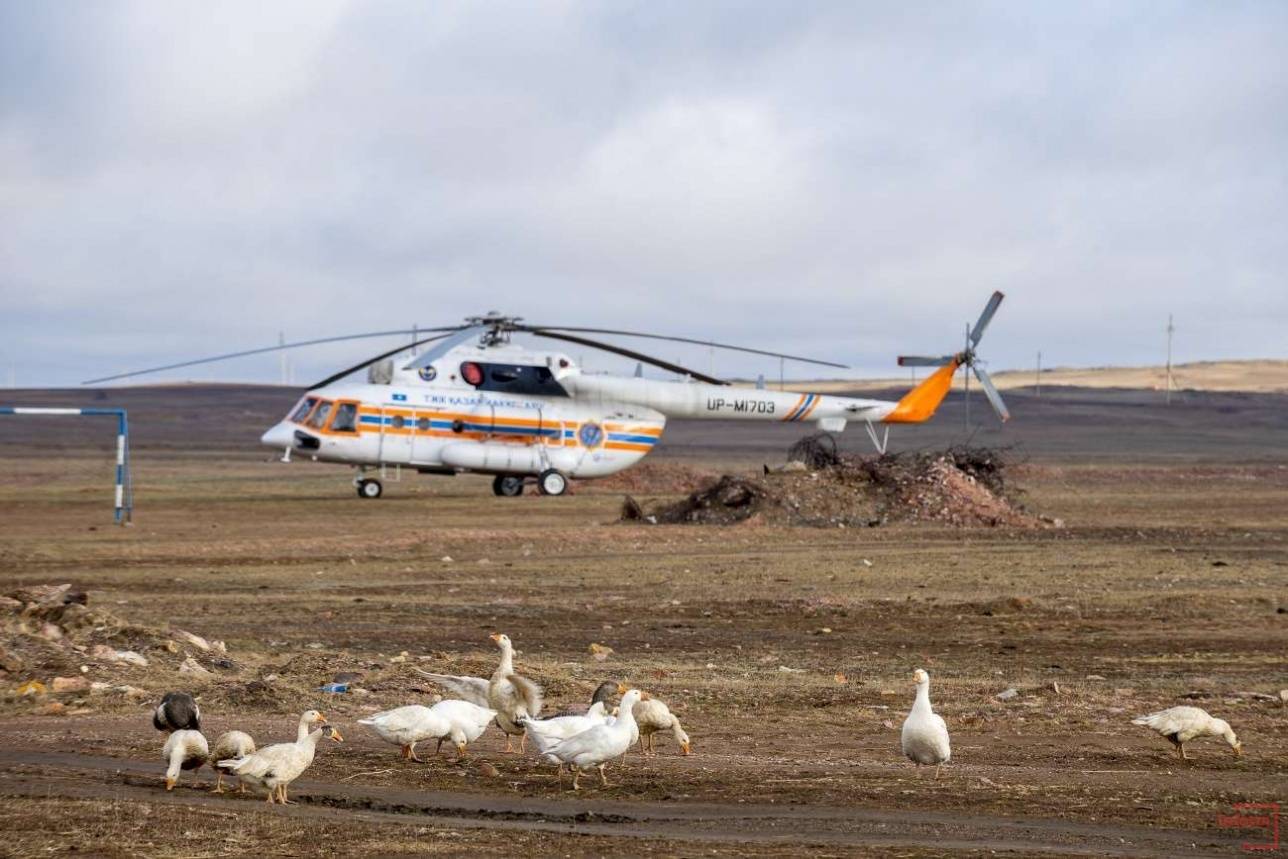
(477, 402)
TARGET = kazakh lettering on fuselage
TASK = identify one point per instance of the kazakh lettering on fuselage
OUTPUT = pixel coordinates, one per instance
(476, 400)
(754, 407)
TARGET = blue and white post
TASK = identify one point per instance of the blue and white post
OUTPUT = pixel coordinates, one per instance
(124, 496)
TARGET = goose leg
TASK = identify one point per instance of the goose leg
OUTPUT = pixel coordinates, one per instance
(439, 747)
(523, 742)
(603, 779)
(937, 768)
(411, 753)
(576, 775)
(219, 781)
(641, 745)
(509, 749)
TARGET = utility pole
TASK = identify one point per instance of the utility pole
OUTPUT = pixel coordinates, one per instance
(1037, 376)
(1170, 329)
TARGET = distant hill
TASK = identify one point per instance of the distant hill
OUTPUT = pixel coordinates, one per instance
(1260, 377)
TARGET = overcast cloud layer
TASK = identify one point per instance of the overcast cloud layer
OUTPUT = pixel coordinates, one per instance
(847, 180)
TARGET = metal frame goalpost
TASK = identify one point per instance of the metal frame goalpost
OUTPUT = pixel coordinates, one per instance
(124, 495)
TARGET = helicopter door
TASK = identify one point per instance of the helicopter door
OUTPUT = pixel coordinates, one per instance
(396, 435)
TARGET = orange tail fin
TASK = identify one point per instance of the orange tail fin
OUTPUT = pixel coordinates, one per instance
(920, 403)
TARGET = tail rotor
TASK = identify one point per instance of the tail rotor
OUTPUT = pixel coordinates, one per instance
(969, 359)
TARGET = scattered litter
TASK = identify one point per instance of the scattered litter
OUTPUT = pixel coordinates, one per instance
(32, 687)
(600, 651)
(334, 688)
(1008, 694)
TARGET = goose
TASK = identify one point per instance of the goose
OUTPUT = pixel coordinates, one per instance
(184, 750)
(512, 696)
(1179, 725)
(925, 736)
(274, 767)
(598, 745)
(546, 732)
(460, 721)
(178, 711)
(652, 716)
(472, 689)
(231, 744)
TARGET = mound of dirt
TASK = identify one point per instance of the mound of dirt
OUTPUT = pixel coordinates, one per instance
(654, 478)
(960, 487)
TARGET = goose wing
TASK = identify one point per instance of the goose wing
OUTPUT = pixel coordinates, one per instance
(472, 689)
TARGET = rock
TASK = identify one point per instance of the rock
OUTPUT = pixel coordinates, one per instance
(195, 640)
(98, 687)
(132, 692)
(1008, 694)
(190, 666)
(69, 684)
(51, 631)
(840, 679)
(130, 657)
(10, 604)
(54, 708)
(9, 661)
(1094, 677)
(446, 559)
(220, 646)
(488, 770)
(1283, 696)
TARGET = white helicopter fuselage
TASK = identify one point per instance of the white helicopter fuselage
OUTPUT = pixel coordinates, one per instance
(499, 409)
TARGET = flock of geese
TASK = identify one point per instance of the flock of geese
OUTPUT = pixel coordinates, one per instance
(578, 741)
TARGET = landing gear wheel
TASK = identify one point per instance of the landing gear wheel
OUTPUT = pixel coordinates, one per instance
(507, 485)
(370, 488)
(551, 482)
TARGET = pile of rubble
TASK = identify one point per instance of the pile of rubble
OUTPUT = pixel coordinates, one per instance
(958, 487)
(52, 642)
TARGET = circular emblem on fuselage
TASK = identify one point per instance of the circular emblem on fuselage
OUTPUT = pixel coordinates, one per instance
(428, 373)
(591, 435)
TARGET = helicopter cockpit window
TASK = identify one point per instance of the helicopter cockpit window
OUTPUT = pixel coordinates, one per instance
(302, 410)
(320, 414)
(346, 418)
(504, 374)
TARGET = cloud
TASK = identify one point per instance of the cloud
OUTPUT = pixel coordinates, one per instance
(848, 180)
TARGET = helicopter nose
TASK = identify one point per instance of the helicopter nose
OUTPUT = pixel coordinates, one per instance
(280, 436)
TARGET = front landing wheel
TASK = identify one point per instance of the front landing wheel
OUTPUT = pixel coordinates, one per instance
(370, 488)
(552, 482)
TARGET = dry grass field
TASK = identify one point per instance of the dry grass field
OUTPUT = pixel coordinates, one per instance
(787, 653)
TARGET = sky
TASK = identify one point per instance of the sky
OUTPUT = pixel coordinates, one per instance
(848, 180)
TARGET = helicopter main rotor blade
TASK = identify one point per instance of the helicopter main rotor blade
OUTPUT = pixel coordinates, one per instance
(923, 361)
(266, 349)
(694, 342)
(984, 318)
(335, 377)
(620, 350)
(990, 391)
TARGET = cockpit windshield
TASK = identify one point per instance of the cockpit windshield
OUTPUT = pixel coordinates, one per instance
(302, 410)
(318, 419)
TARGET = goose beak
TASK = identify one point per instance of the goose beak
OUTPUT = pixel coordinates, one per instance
(1238, 750)
(169, 783)
(622, 688)
(335, 735)
(496, 636)
(685, 747)
(321, 719)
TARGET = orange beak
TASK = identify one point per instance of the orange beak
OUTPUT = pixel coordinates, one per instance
(335, 735)
(622, 688)
(496, 636)
(321, 718)
(169, 783)
(686, 748)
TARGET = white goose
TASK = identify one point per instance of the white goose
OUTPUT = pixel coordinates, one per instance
(925, 736)
(1179, 725)
(276, 766)
(183, 750)
(546, 732)
(460, 721)
(598, 745)
(513, 696)
(231, 744)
